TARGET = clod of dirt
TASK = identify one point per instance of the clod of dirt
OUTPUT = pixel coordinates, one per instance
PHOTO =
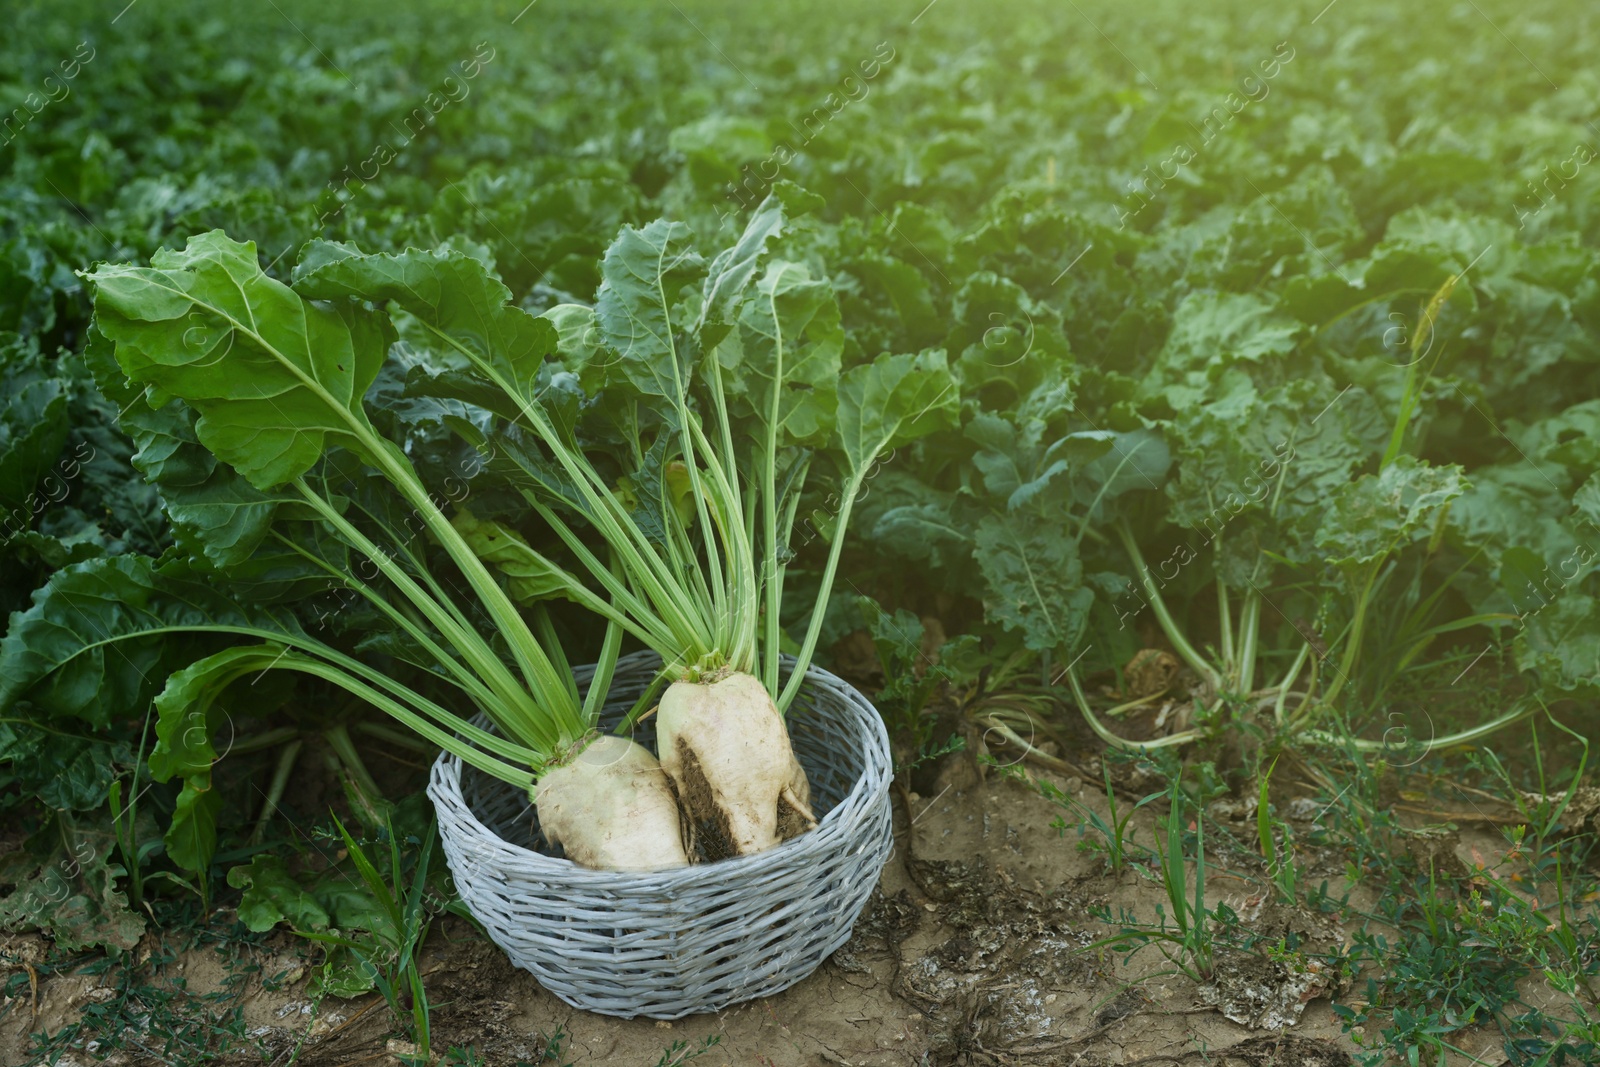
(1150, 671)
(1120, 1006)
(1306, 809)
(884, 924)
(1583, 806)
(995, 980)
(1264, 994)
(1286, 1050)
(965, 889)
(887, 919)
(1232, 809)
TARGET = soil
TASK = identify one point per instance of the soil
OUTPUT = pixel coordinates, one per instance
(979, 948)
(984, 944)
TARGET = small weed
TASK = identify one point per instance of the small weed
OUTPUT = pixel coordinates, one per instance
(680, 1052)
(405, 922)
(150, 1013)
(469, 1056)
(551, 1053)
(1188, 911)
(1439, 974)
(1186, 929)
(911, 680)
(1281, 867)
(1115, 838)
(1449, 952)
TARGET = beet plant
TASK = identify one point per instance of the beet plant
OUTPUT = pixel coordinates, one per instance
(661, 440)
(713, 386)
(247, 402)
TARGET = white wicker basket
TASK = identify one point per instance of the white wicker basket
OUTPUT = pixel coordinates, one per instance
(666, 944)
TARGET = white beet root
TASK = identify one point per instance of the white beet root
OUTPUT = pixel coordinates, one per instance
(728, 753)
(611, 807)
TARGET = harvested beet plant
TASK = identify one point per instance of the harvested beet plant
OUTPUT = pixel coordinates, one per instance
(659, 441)
(666, 445)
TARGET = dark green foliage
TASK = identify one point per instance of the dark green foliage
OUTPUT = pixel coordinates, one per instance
(1304, 385)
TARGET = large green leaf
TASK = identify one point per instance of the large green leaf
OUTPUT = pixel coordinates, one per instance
(33, 428)
(1257, 469)
(272, 895)
(905, 289)
(908, 520)
(1378, 513)
(214, 509)
(191, 838)
(1009, 458)
(1034, 578)
(67, 771)
(62, 881)
(1211, 332)
(1018, 469)
(1394, 269)
(187, 713)
(731, 270)
(788, 339)
(1560, 641)
(645, 272)
(893, 400)
(465, 306)
(276, 378)
(102, 636)
(188, 716)
(1134, 461)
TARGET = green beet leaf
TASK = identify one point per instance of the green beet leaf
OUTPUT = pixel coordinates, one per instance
(1560, 641)
(276, 379)
(1034, 578)
(1211, 332)
(731, 270)
(33, 428)
(893, 400)
(216, 512)
(62, 881)
(103, 635)
(272, 895)
(645, 272)
(1379, 513)
(788, 338)
(463, 305)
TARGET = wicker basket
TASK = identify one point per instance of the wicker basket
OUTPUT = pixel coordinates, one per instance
(666, 944)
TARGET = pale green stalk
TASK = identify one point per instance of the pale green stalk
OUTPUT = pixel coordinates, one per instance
(473, 647)
(1113, 739)
(1462, 737)
(1224, 616)
(466, 679)
(1249, 627)
(1288, 680)
(397, 469)
(1168, 625)
(604, 511)
(769, 505)
(824, 589)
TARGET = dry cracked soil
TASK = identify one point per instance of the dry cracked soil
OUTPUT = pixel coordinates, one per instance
(978, 948)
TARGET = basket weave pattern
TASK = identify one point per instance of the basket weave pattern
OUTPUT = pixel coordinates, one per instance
(666, 944)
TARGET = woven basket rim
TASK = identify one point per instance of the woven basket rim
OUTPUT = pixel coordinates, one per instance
(830, 826)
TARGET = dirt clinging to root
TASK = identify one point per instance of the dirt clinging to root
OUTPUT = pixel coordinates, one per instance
(710, 833)
(793, 820)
